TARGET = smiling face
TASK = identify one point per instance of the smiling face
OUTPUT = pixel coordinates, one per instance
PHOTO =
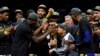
(96, 15)
(41, 12)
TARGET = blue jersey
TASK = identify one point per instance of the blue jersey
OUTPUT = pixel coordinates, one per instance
(85, 35)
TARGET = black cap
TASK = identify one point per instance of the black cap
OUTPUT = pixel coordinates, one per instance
(42, 6)
(18, 11)
(75, 11)
(97, 8)
(30, 11)
(4, 9)
(33, 16)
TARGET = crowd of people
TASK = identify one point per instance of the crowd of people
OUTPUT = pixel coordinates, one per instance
(42, 34)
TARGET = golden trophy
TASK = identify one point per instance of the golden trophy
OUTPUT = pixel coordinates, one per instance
(6, 31)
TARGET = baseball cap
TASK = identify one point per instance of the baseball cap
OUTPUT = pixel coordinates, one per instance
(89, 11)
(4, 9)
(30, 11)
(33, 16)
(97, 8)
(18, 11)
(42, 6)
(75, 10)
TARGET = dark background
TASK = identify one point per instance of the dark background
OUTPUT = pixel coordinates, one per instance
(62, 6)
(57, 4)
